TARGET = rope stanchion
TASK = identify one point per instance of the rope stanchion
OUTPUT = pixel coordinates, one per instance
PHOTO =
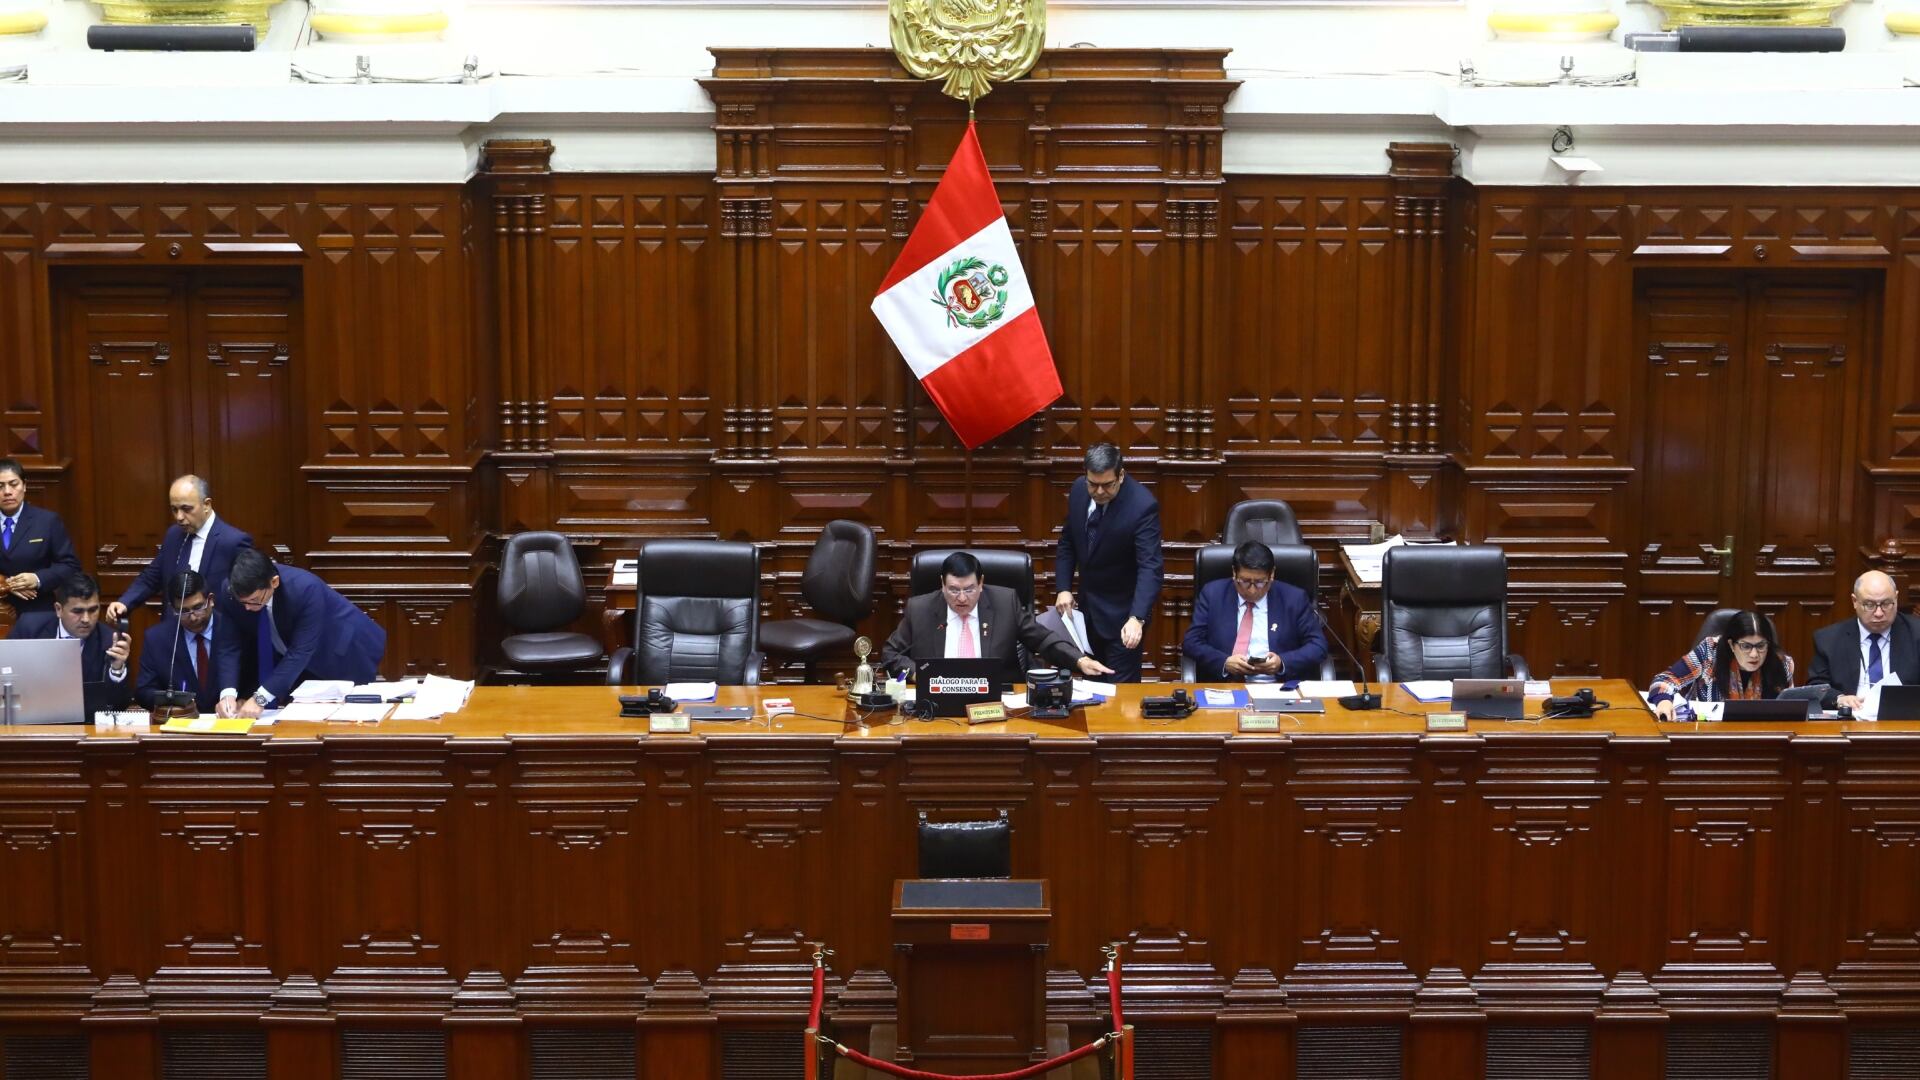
(891, 1069)
(812, 1043)
(1113, 985)
(1125, 1069)
(820, 954)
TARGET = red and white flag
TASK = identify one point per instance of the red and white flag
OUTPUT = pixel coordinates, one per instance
(957, 306)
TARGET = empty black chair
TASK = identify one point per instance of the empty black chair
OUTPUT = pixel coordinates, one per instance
(1013, 569)
(838, 584)
(1295, 564)
(966, 849)
(1269, 521)
(542, 590)
(1443, 614)
(699, 618)
(1715, 623)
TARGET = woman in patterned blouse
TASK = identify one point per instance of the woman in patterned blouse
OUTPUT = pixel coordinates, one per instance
(1743, 664)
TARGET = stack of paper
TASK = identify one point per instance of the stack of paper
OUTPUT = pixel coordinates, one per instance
(1273, 691)
(1369, 560)
(625, 575)
(691, 691)
(323, 690)
(434, 698)
(1318, 688)
(1429, 690)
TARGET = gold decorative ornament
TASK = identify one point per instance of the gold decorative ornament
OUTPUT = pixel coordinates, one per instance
(863, 674)
(1678, 13)
(191, 12)
(972, 44)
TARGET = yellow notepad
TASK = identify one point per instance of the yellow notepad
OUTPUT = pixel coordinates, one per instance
(209, 725)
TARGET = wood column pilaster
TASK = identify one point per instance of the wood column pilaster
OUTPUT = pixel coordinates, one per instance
(519, 173)
(1416, 465)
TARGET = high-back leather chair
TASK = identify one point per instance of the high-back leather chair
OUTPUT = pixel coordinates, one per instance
(837, 584)
(1013, 569)
(541, 591)
(699, 618)
(1715, 623)
(1269, 521)
(1443, 614)
(1295, 564)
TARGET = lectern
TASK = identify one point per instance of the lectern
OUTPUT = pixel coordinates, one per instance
(973, 965)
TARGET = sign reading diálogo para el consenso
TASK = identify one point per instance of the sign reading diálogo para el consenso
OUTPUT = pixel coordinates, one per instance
(957, 306)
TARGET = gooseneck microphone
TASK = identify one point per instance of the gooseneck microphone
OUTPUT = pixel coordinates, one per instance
(172, 699)
(1365, 699)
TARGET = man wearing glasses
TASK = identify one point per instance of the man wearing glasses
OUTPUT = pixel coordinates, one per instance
(1112, 538)
(966, 618)
(206, 659)
(1249, 625)
(302, 629)
(1852, 657)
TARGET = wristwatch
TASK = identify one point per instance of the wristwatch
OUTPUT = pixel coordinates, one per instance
(262, 697)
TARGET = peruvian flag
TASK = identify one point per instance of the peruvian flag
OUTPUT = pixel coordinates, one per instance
(957, 306)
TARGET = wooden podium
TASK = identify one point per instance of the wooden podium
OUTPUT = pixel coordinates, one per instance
(973, 965)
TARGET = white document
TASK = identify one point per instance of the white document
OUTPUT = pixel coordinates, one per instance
(691, 691)
(323, 690)
(308, 711)
(625, 575)
(1218, 697)
(1538, 688)
(1707, 712)
(1870, 701)
(436, 697)
(1322, 688)
(388, 691)
(1430, 690)
(1014, 701)
(1086, 688)
(1076, 622)
(1369, 559)
(359, 714)
(1270, 691)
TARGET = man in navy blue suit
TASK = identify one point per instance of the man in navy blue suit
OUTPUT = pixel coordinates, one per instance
(35, 554)
(303, 630)
(198, 540)
(1249, 624)
(205, 661)
(103, 650)
(1112, 538)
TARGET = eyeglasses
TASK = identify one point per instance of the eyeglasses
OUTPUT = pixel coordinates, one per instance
(960, 592)
(255, 602)
(1751, 648)
(198, 609)
(1876, 605)
(1250, 584)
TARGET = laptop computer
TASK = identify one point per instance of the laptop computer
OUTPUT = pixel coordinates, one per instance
(1793, 710)
(1490, 699)
(1899, 702)
(949, 685)
(40, 683)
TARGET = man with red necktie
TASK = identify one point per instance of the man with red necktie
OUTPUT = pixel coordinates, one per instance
(967, 618)
(1248, 624)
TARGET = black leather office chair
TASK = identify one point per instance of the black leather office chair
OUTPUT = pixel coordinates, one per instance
(838, 584)
(1715, 623)
(1295, 564)
(1013, 569)
(699, 618)
(1443, 614)
(1269, 521)
(966, 849)
(542, 590)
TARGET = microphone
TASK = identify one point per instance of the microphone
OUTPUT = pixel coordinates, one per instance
(1365, 699)
(171, 701)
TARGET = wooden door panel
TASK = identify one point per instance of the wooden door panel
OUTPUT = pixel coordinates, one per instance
(244, 340)
(126, 352)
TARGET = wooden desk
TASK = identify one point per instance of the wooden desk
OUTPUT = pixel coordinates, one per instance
(537, 861)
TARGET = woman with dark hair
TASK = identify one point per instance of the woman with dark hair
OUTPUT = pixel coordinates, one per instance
(1744, 663)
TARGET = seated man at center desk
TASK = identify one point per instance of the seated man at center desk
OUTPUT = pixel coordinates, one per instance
(968, 618)
(1247, 615)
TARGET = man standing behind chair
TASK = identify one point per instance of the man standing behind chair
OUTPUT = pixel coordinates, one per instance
(103, 650)
(303, 630)
(198, 540)
(1112, 538)
(204, 661)
(1881, 640)
(1249, 614)
(35, 554)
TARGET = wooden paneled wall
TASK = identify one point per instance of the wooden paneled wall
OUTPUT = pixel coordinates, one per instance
(628, 356)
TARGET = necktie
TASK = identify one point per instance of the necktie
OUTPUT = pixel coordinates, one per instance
(1093, 524)
(1244, 638)
(1875, 672)
(967, 651)
(200, 663)
(6, 535)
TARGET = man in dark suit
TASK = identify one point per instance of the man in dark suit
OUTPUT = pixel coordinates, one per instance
(35, 554)
(302, 630)
(1880, 640)
(1248, 624)
(1112, 537)
(198, 540)
(204, 661)
(968, 618)
(103, 651)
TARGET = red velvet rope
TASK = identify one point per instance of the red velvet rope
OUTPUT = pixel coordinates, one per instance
(1113, 994)
(1018, 1074)
(819, 995)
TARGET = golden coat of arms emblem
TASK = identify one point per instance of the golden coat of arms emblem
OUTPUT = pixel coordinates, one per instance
(972, 44)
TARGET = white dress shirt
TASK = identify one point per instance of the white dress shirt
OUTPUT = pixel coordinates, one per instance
(197, 543)
(953, 633)
(60, 634)
(1866, 656)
